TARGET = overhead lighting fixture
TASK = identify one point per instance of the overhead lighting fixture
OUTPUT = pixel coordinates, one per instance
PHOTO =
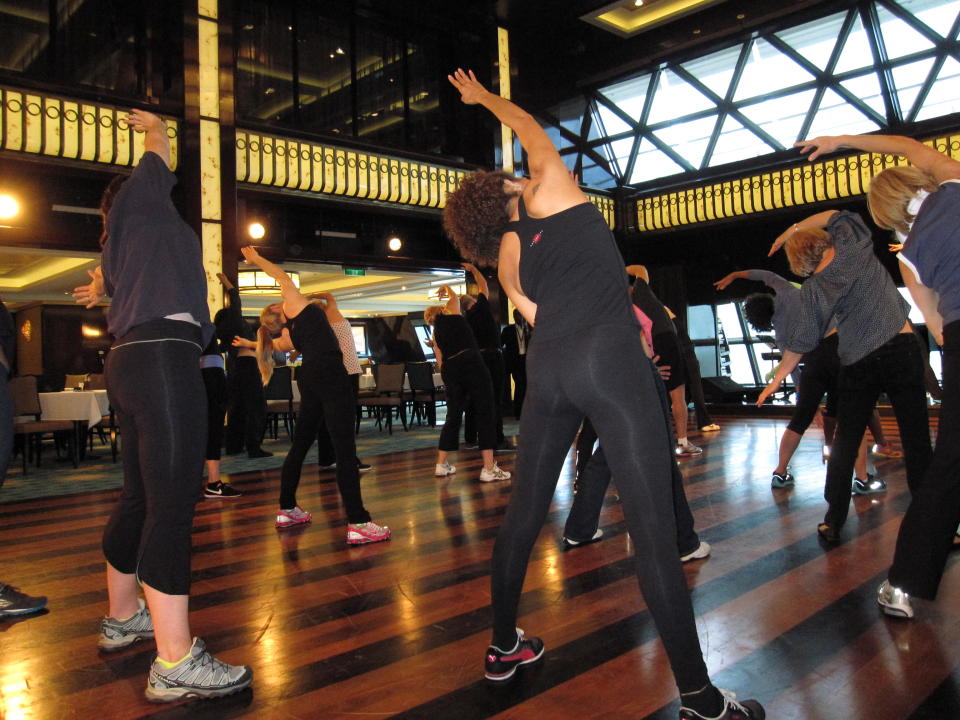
(256, 230)
(633, 18)
(257, 282)
(9, 207)
(394, 243)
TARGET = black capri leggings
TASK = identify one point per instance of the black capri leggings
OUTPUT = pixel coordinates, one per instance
(215, 382)
(467, 381)
(153, 377)
(599, 372)
(821, 368)
(327, 403)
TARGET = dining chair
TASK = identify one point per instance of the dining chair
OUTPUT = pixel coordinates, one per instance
(389, 396)
(423, 394)
(279, 395)
(26, 403)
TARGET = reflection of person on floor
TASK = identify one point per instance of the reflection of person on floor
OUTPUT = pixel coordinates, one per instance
(246, 404)
(152, 268)
(351, 362)
(215, 383)
(513, 342)
(478, 314)
(12, 601)
(571, 275)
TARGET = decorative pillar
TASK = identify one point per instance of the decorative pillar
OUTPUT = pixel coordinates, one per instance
(503, 64)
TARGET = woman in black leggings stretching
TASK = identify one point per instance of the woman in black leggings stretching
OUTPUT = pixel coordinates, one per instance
(326, 399)
(560, 266)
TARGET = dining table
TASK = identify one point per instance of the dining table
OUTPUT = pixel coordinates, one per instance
(85, 408)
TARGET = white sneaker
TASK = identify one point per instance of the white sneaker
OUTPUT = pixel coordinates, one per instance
(494, 474)
(894, 601)
(702, 551)
(444, 469)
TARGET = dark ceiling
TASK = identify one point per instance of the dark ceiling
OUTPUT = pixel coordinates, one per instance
(554, 53)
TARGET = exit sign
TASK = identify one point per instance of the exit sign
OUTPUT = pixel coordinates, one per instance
(354, 271)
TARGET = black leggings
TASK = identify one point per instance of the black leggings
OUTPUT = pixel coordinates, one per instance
(493, 359)
(895, 368)
(601, 373)
(326, 454)
(246, 406)
(926, 533)
(326, 403)
(153, 377)
(821, 370)
(467, 382)
(215, 383)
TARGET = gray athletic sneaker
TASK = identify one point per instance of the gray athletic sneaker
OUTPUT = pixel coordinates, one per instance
(200, 675)
(118, 634)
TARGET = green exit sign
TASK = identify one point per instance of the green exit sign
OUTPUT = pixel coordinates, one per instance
(354, 271)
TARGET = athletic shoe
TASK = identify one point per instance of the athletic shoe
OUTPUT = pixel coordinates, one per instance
(444, 469)
(471, 446)
(199, 675)
(712, 427)
(14, 602)
(886, 450)
(732, 710)
(118, 634)
(494, 474)
(259, 453)
(571, 543)
(368, 532)
(781, 481)
(292, 516)
(501, 665)
(870, 486)
(331, 466)
(221, 489)
(703, 550)
(894, 601)
(362, 466)
(688, 449)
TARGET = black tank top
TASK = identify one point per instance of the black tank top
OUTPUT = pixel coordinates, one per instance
(644, 299)
(313, 337)
(453, 335)
(571, 268)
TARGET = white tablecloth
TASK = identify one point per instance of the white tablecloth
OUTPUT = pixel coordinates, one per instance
(89, 405)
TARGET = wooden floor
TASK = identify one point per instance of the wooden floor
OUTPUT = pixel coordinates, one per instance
(399, 629)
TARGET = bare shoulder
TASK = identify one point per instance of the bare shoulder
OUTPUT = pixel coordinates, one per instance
(553, 191)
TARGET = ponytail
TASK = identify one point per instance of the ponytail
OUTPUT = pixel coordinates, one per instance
(265, 354)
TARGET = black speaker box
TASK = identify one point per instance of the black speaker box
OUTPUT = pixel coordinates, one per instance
(722, 390)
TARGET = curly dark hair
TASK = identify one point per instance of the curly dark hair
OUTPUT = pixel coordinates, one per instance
(475, 216)
(758, 310)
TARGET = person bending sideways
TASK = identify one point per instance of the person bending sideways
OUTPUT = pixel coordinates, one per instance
(571, 275)
(467, 382)
(151, 268)
(878, 353)
(920, 203)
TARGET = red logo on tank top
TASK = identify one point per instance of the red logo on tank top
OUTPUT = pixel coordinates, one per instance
(536, 238)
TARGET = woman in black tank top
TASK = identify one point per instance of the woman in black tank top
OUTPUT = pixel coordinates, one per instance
(326, 399)
(560, 266)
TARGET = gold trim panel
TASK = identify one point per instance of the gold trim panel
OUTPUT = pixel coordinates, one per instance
(834, 178)
(58, 127)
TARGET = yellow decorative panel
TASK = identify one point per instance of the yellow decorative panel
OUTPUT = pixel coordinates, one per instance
(209, 68)
(207, 8)
(210, 170)
(503, 65)
(57, 127)
(211, 238)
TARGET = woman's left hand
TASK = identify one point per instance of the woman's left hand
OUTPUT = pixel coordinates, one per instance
(250, 254)
(781, 239)
(471, 91)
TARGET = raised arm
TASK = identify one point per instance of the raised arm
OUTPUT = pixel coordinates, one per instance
(724, 282)
(639, 271)
(453, 300)
(478, 278)
(156, 139)
(90, 294)
(508, 270)
(293, 301)
(922, 156)
(329, 306)
(820, 220)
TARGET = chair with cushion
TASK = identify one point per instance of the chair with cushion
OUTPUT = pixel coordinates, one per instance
(423, 394)
(389, 396)
(279, 395)
(26, 405)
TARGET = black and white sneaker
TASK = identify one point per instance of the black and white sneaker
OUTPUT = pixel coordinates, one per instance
(501, 665)
(13, 602)
(221, 490)
(732, 710)
(363, 467)
(571, 543)
(871, 486)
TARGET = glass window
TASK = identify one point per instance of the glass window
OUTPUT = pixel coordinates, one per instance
(629, 95)
(836, 117)
(815, 40)
(715, 70)
(673, 93)
(899, 38)
(360, 340)
(701, 323)
(264, 75)
(595, 176)
(707, 358)
(765, 366)
(741, 370)
(938, 15)
(908, 79)
(26, 34)
(652, 163)
(729, 320)
(736, 143)
(379, 87)
(867, 89)
(607, 121)
(619, 153)
(425, 127)
(857, 53)
(324, 58)
(944, 95)
(767, 70)
(689, 139)
(782, 118)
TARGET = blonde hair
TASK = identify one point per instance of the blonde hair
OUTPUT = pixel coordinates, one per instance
(264, 353)
(805, 250)
(891, 192)
(430, 314)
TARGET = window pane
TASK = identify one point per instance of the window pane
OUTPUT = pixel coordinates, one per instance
(737, 143)
(379, 87)
(715, 70)
(765, 366)
(689, 139)
(837, 117)
(815, 40)
(324, 52)
(652, 163)
(425, 132)
(782, 118)
(768, 69)
(899, 38)
(740, 369)
(608, 122)
(729, 321)
(908, 79)
(944, 96)
(938, 15)
(26, 35)
(674, 98)
(700, 322)
(867, 88)
(856, 53)
(629, 96)
(264, 74)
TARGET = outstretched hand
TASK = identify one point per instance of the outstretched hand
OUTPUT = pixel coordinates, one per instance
(471, 90)
(250, 254)
(89, 295)
(815, 147)
(143, 121)
(724, 282)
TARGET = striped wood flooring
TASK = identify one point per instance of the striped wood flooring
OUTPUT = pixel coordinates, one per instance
(398, 629)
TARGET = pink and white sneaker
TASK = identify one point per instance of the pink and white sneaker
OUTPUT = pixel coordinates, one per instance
(368, 532)
(293, 516)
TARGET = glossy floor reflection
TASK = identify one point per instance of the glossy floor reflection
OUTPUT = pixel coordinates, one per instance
(398, 629)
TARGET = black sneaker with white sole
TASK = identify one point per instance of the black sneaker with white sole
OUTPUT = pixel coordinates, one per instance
(732, 710)
(14, 602)
(221, 490)
(501, 665)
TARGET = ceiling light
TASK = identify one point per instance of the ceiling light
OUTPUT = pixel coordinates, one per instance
(340, 51)
(638, 3)
(9, 207)
(394, 243)
(256, 230)
(257, 282)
